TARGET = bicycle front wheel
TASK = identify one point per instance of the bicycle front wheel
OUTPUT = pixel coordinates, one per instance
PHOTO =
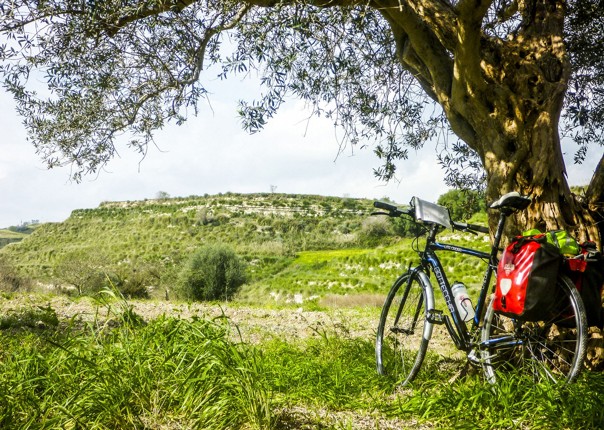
(404, 330)
(551, 350)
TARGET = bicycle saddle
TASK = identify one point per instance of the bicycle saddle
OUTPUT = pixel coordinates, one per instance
(511, 200)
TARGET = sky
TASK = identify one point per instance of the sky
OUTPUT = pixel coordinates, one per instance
(212, 154)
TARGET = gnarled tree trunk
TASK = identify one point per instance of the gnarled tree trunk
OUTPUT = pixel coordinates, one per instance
(504, 98)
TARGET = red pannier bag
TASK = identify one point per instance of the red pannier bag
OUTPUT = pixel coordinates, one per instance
(587, 272)
(526, 279)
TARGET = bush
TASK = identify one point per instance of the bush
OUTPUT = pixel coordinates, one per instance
(134, 281)
(462, 204)
(10, 279)
(85, 271)
(214, 272)
(375, 228)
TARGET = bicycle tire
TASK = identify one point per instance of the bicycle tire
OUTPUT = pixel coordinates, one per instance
(401, 342)
(551, 350)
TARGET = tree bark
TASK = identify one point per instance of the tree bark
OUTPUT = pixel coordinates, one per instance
(503, 98)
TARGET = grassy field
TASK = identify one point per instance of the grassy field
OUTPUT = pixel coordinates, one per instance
(119, 370)
(294, 350)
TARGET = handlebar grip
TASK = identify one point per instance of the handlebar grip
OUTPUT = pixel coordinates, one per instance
(478, 228)
(393, 211)
(472, 227)
(385, 206)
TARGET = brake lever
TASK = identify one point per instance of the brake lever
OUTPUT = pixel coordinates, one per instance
(380, 213)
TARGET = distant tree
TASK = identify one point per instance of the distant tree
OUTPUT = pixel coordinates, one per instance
(462, 204)
(10, 279)
(85, 271)
(213, 272)
(375, 228)
(162, 195)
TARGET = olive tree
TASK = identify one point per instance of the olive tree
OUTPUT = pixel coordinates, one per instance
(508, 78)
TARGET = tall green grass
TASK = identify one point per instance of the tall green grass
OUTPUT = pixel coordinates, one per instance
(513, 403)
(334, 372)
(128, 374)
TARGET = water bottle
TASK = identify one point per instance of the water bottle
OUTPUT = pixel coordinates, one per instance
(462, 301)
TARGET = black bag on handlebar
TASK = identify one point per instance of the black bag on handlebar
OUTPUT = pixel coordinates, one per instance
(526, 277)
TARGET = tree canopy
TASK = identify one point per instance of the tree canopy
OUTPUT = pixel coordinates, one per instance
(462, 204)
(508, 78)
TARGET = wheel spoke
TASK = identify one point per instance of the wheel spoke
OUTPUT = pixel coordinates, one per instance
(552, 350)
(401, 341)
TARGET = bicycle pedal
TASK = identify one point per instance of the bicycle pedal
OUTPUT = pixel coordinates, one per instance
(436, 316)
(476, 359)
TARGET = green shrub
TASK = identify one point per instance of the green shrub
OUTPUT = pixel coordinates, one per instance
(10, 279)
(213, 272)
(374, 230)
(84, 270)
(134, 280)
(462, 204)
(31, 317)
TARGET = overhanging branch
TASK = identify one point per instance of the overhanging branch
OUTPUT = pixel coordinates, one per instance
(420, 47)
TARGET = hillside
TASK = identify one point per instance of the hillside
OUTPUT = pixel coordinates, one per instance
(15, 234)
(295, 245)
(8, 236)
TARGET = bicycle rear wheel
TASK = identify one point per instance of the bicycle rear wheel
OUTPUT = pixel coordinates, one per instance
(551, 350)
(404, 330)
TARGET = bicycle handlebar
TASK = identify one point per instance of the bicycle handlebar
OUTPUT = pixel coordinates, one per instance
(470, 227)
(394, 211)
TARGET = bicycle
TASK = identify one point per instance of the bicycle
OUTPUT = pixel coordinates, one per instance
(552, 350)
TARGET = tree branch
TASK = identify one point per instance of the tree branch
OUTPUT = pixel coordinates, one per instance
(420, 47)
(156, 8)
(470, 15)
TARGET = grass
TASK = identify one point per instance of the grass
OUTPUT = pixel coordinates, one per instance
(131, 375)
(123, 372)
(9, 236)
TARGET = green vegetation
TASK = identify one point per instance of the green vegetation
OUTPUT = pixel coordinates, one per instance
(294, 245)
(463, 204)
(11, 235)
(133, 376)
(197, 373)
(212, 273)
(305, 255)
(165, 232)
(10, 279)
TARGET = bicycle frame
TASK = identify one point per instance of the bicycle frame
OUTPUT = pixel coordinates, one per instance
(458, 329)
(553, 348)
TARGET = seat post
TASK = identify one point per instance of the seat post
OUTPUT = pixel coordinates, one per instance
(499, 232)
(492, 263)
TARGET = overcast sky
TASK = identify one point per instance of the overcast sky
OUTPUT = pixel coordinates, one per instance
(212, 154)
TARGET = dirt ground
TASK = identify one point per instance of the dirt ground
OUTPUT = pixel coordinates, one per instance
(254, 323)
